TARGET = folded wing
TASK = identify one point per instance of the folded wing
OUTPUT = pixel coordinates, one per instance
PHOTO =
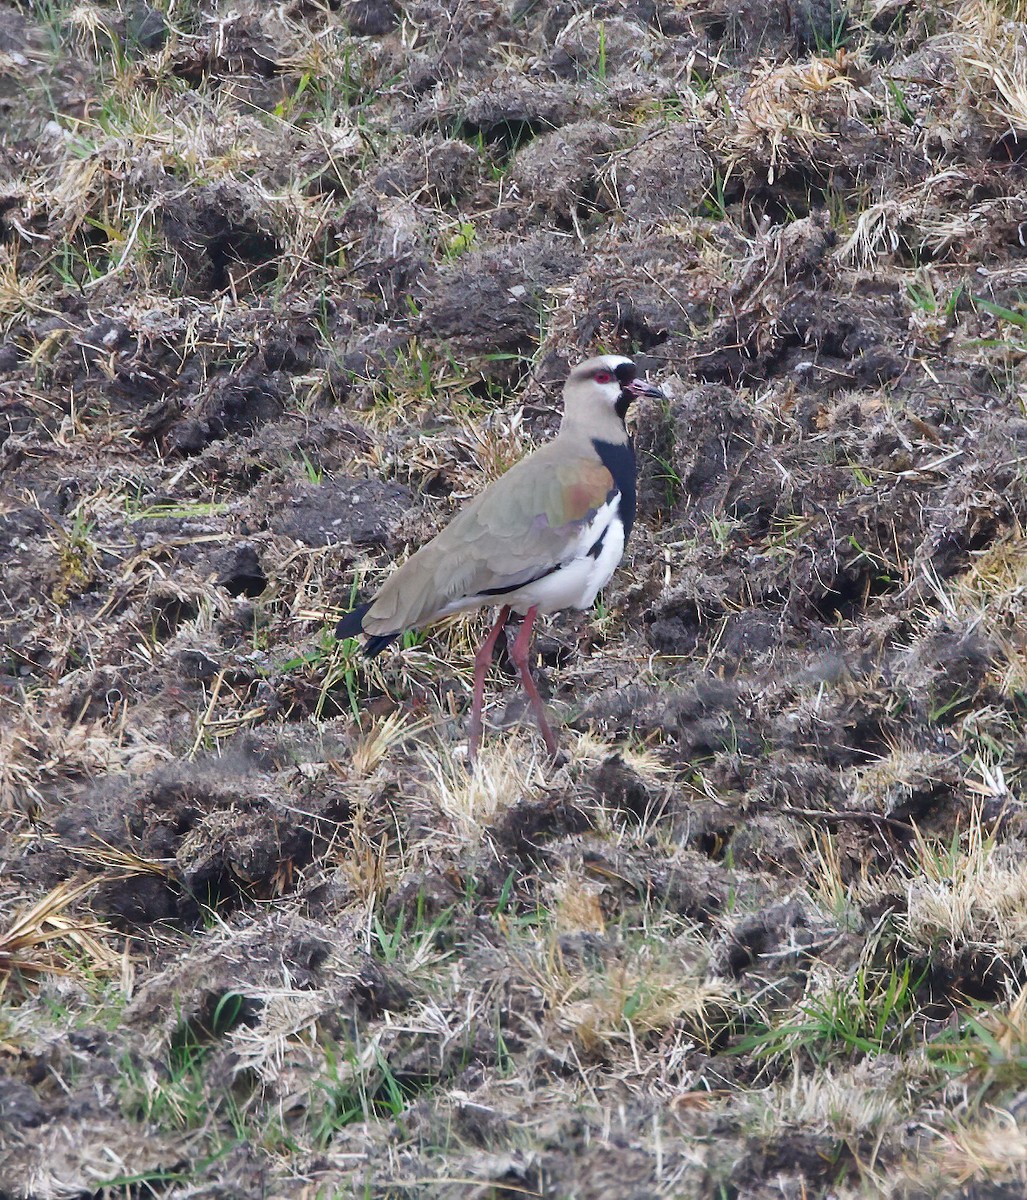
(527, 525)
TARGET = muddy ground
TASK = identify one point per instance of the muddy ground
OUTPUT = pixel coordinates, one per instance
(279, 287)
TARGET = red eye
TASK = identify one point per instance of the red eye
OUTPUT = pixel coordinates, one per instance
(603, 377)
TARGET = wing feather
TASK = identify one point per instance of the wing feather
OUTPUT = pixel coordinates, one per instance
(524, 525)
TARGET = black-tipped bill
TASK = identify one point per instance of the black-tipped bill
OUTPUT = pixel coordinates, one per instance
(641, 387)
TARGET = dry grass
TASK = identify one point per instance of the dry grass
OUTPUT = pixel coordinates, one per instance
(642, 997)
(993, 1151)
(889, 783)
(970, 897)
(996, 60)
(43, 939)
(719, 939)
(37, 748)
(470, 800)
(851, 1104)
(781, 114)
(23, 293)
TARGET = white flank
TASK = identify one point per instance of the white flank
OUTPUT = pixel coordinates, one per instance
(577, 582)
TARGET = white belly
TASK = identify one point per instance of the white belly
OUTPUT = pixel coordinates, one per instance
(577, 583)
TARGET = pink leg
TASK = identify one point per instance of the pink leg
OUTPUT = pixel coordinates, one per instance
(519, 654)
(482, 660)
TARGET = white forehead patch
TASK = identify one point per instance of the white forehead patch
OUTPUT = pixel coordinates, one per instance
(608, 362)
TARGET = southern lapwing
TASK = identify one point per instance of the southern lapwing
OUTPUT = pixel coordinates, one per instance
(546, 535)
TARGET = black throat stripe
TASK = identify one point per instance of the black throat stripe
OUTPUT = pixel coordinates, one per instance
(619, 460)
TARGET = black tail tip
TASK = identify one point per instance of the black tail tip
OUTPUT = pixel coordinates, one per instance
(375, 645)
(352, 624)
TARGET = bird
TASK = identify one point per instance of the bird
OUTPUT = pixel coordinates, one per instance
(545, 536)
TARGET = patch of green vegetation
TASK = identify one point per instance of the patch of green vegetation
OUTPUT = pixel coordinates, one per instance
(673, 487)
(838, 34)
(1011, 316)
(344, 671)
(787, 532)
(181, 1096)
(460, 242)
(888, 573)
(78, 262)
(600, 68)
(410, 639)
(318, 97)
(906, 114)
(410, 943)
(358, 1084)
(186, 510)
(838, 204)
(722, 530)
(872, 1012)
(78, 558)
(98, 1001)
(672, 108)
(315, 474)
(714, 203)
(987, 1047)
(924, 297)
(940, 708)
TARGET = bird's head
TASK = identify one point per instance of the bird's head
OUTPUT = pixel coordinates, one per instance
(598, 392)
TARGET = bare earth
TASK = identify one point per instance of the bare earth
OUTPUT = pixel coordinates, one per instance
(280, 286)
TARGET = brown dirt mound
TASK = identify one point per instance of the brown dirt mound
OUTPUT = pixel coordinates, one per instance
(280, 286)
